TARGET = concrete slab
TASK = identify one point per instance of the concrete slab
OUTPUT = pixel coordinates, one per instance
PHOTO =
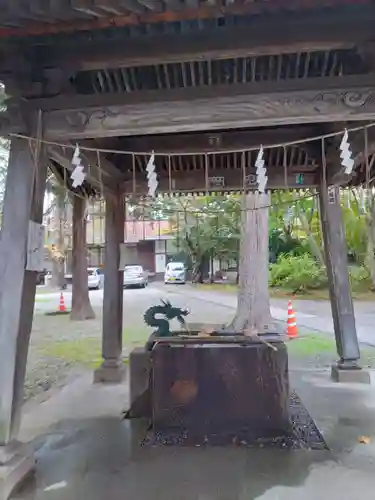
(85, 450)
(343, 412)
(17, 462)
(359, 376)
(110, 373)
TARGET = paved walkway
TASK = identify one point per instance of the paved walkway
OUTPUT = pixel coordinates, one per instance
(85, 450)
(313, 315)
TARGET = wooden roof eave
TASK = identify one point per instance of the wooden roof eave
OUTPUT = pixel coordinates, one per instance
(80, 15)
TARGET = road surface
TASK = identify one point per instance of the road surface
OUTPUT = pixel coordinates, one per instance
(311, 315)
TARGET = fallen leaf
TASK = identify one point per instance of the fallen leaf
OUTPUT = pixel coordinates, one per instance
(250, 332)
(364, 440)
(206, 332)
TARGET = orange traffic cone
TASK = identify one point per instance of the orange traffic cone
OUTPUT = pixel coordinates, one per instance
(62, 307)
(292, 330)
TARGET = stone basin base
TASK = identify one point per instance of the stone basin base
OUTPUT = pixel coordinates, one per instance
(237, 387)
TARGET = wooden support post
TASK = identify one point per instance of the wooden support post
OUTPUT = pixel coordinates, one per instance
(112, 370)
(347, 368)
(23, 202)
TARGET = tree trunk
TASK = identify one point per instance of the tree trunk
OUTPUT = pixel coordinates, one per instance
(211, 273)
(81, 307)
(253, 307)
(370, 258)
(58, 266)
(58, 274)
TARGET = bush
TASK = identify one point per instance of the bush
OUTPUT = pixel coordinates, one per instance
(298, 273)
(359, 277)
(279, 243)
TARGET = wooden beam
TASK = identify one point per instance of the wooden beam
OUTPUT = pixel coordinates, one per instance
(120, 7)
(63, 157)
(327, 85)
(336, 174)
(211, 108)
(195, 181)
(268, 36)
(216, 9)
(107, 168)
(228, 140)
(58, 62)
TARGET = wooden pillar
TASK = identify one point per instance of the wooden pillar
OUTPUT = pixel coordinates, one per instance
(339, 287)
(112, 369)
(23, 203)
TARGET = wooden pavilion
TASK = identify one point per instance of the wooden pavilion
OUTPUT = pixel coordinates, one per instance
(182, 78)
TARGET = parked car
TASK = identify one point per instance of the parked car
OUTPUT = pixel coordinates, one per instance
(135, 276)
(94, 280)
(175, 272)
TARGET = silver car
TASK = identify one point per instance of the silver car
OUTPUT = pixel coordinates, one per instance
(135, 276)
(175, 272)
(94, 280)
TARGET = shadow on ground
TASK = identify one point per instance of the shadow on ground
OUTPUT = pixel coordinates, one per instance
(85, 449)
(101, 458)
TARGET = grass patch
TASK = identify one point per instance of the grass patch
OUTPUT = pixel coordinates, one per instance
(311, 345)
(88, 351)
(315, 346)
(284, 293)
(319, 294)
(45, 290)
(85, 352)
(41, 299)
(134, 337)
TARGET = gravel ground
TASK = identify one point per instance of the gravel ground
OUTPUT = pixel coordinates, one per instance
(45, 371)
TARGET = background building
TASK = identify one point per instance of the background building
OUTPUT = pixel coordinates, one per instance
(153, 239)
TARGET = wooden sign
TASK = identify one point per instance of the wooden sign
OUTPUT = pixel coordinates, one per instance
(331, 195)
(216, 182)
(251, 180)
(300, 179)
(35, 247)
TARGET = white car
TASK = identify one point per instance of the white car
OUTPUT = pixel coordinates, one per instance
(94, 280)
(175, 272)
(135, 276)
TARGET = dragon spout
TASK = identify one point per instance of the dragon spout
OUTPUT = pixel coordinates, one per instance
(162, 324)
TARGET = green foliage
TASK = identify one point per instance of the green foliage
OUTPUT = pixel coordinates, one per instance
(282, 243)
(359, 277)
(356, 231)
(298, 273)
(210, 227)
(4, 155)
(205, 227)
